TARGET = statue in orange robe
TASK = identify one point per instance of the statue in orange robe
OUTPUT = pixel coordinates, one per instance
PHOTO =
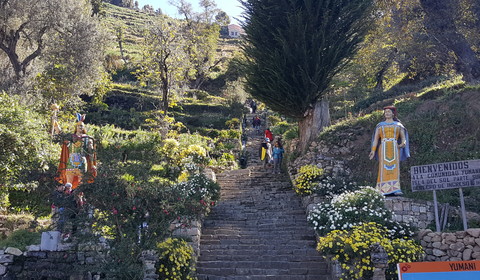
(78, 159)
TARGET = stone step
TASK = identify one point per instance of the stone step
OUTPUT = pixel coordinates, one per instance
(258, 229)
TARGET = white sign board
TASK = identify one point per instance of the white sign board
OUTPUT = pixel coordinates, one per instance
(446, 175)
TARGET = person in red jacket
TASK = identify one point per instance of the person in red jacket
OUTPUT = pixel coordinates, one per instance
(269, 135)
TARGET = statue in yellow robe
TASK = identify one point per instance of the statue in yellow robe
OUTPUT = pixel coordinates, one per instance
(389, 147)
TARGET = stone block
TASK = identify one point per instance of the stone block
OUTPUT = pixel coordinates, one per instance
(469, 241)
(449, 238)
(13, 251)
(475, 232)
(437, 245)
(460, 234)
(467, 254)
(438, 253)
(50, 240)
(3, 269)
(407, 206)
(436, 238)
(476, 255)
(477, 241)
(424, 232)
(6, 259)
(459, 246)
(453, 253)
(423, 209)
(454, 259)
(36, 254)
(397, 206)
(33, 248)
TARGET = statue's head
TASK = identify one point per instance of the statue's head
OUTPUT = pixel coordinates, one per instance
(392, 109)
(79, 125)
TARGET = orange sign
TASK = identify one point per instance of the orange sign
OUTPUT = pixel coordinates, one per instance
(439, 270)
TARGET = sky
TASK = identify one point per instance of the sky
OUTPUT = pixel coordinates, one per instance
(233, 8)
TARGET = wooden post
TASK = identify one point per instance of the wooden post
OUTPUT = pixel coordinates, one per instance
(462, 205)
(435, 206)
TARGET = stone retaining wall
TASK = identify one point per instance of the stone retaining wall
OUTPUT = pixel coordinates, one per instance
(451, 246)
(65, 263)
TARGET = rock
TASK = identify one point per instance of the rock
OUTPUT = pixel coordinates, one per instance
(459, 246)
(467, 254)
(33, 248)
(476, 255)
(449, 238)
(437, 245)
(475, 232)
(469, 241)
(438, 253)
(460, 234)
(13, 251)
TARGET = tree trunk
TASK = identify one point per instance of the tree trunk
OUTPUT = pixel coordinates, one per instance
(383, 69)
(440, 24)
(313, 123)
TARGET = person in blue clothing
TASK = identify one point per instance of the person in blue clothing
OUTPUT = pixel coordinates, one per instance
(277, 154)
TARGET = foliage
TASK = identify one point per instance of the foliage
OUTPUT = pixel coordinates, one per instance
(273, 120)
(329, 186)
(54, 47)
(26, 150)
(233, 123)
(352, 249)
(165, 64)
(292, 133)
(308, 176)
(280, 128)
(175, 259)
(20, 239)
(355, 208)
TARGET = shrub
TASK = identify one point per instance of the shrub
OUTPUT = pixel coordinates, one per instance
(233, 123)
(352, 249)
(175, 259)
(273, 120)
(352, 209)
(292, 133)
(280, 128)
(330, 186)
(308, 177)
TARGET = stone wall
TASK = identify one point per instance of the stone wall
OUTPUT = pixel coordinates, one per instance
(418, 213)
(451, 246)
(64, 263)
(56, 260)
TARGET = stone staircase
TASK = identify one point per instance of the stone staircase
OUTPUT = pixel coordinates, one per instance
(258, 230)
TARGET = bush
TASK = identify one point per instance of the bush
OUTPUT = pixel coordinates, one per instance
(329, 186)
(308, 177)
(233, 123)
(280, 128)
(273, 120)
(352, 250)
(352, 209)
(26, 149)
(175, 260)
(292, 133)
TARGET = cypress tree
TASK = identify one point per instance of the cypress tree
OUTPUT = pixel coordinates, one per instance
(294, 48)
